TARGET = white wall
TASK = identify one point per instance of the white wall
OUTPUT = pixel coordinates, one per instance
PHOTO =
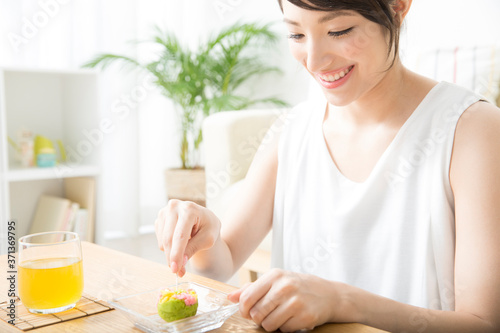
(450, 23)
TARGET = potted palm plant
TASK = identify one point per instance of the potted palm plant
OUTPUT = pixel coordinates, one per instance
(201, 82)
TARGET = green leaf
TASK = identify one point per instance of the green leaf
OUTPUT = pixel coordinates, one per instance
(105, 60)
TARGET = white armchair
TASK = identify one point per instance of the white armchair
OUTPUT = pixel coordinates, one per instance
(231, 139)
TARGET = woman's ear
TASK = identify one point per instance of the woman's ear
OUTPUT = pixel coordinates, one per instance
(401, 8)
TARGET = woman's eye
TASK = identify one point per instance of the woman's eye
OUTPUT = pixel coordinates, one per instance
(337, 34)
(295, 36)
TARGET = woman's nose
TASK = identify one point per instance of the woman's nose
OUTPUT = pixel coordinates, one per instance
(319, 56)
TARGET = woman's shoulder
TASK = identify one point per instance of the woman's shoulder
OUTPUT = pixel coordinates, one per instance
(480, 125)
(477, 140)
(479, 120)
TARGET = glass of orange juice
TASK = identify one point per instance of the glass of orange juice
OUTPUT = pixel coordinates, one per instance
(50, 271)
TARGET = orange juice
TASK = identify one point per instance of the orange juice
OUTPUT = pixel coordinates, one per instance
(50, 283)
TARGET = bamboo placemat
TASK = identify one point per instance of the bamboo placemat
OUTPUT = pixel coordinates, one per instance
(25, 320)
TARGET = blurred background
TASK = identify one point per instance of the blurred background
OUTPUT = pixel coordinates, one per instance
(61, 35)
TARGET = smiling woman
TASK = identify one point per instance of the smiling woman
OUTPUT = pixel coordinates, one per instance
(369, 30)
(391, 173)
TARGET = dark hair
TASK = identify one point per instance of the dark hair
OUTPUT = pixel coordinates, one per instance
(378, 11)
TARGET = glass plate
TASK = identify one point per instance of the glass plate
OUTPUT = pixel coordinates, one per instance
(213, 310)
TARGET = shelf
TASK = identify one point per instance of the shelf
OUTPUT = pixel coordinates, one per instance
(60, 105)
(59, 172)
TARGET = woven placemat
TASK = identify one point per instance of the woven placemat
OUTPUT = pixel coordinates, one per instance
(25, 320)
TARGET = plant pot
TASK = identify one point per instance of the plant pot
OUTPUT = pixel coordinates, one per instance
(186, 184)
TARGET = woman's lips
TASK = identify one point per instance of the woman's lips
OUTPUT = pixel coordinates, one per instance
(335, 79)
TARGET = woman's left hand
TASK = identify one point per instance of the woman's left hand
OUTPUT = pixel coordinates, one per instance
(290, 301)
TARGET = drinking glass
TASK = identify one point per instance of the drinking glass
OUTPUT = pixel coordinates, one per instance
(50, 271)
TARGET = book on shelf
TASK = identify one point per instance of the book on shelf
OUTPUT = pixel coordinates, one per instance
(82, 191)
(81, 223)
(73, 212)
(70, 217)
(53, 214)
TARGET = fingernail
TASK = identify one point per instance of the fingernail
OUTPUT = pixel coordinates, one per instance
(232, 296)
(185, 260)
(173, 267)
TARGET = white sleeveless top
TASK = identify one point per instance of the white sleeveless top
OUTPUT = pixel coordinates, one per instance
(394, 234)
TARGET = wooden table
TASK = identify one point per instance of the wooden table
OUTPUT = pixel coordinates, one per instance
(109, 273)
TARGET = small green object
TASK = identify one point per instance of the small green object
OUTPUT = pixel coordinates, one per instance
(46, 160)
(12, 143)
(62, 151)
(175, 309)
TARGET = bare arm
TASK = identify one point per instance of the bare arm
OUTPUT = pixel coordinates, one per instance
(248, 220)
(219, 249)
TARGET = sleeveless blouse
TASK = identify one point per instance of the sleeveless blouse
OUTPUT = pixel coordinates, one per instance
(394, 233)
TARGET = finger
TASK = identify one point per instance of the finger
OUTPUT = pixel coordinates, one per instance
(265, 306)
(235, 295)
(182, 271)
(278, 319)
(185, 222)
(200, 241)
(167, 233)
(293, 324)
(251, 295)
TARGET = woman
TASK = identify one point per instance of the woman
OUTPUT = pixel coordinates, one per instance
(383, 199)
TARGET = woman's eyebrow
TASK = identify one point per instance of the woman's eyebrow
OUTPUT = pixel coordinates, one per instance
(335, 14)
(325, 18)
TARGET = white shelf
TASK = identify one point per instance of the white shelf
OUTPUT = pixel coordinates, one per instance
(58, 172)
(59, 105)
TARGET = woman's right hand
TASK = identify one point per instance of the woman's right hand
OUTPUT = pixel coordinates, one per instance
(184, 228)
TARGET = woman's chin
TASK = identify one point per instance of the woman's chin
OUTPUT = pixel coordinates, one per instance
(336, 99)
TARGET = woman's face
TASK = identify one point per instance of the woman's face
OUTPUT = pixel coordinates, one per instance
(344, 52)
